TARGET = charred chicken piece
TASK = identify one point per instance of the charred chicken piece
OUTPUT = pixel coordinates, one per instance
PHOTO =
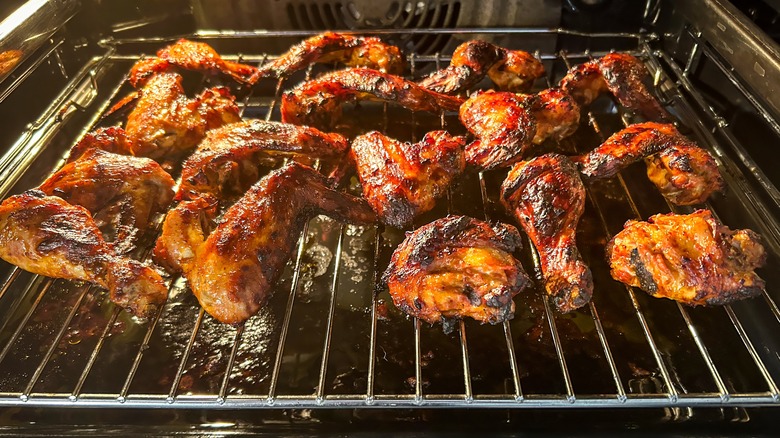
(621, 74)
(232, 271)
(547, 197)
(693, 259)
(227, 161)
(457, 267)
(318, 102)
(684, 173)
(401, 180)
(128, 190)
(510, 70)
(189, 55)
(507, 124)
(331, 47)
(48, 236)
(165, 124)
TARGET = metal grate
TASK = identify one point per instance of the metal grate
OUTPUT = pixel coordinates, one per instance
(325, 340)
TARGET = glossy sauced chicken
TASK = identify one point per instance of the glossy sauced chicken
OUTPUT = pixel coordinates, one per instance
(621, 74)
(318, 102)
(233, 269)
(110, 139)
(189, 55)
(227, 161)
(48, 236)
(507, 124)
(330, 47)
(547, 197)
(128, 190)
(684, 173)
(401, 180)
(457, 267)
(693, 259)
(510, 70)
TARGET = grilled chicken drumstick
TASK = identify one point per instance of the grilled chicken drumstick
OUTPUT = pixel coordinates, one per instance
(621, 74)
(48, 236)
(510, 70)
(693, 259)
(547, 197)
(457, 267)
(507, 124)
(684, 173)
(232, 271)
(189, 55)
(401, 180)
(318, 102)
(330, 47)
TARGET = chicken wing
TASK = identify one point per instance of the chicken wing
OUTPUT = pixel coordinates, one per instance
(507, 124)
(401, 180)
(48, 236)
(227, 161)
(510, 70)
(189, 55)
(457, 267)
(547, 197)
(232, 271)
(684, 173)
(318, 102)
(693, 259)
(621, 74)
(330, 47)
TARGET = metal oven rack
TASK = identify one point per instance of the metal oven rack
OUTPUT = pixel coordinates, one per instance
(326, 340)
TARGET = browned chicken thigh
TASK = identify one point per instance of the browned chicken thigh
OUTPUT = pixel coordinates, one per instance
(233, 269)
(457, 267)
(401, 180)
(510, 70)
(331, 47)
(693, 259)
(318, 102)
(547, 197)
(48, 236)
(684, 173)
(621, 74)
(189, 55)
(228, 160)
(110, 139)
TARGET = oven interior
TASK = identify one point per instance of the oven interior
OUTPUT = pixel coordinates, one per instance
(326, 339)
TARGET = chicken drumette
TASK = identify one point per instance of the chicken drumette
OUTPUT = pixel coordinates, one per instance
(621, 74)
(48, 236)
(547, 197)
(457, 267)
(693, 259)
(318, 102)
(510, 70)
(684, 173)
(401, 180)
(233, 269)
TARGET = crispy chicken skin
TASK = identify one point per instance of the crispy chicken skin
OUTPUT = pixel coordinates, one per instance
(684, 173)
(318, 102)
(401, 180)
(457, 267)
(331, 47)
(693, 259)
(165, 124)
(621, 74)
(48, 236)
(133, 188)
(110, 139)
(227, 161)
(547, 197)
(189, 55)
(510, 70)
(232, 271)
(506, 124)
